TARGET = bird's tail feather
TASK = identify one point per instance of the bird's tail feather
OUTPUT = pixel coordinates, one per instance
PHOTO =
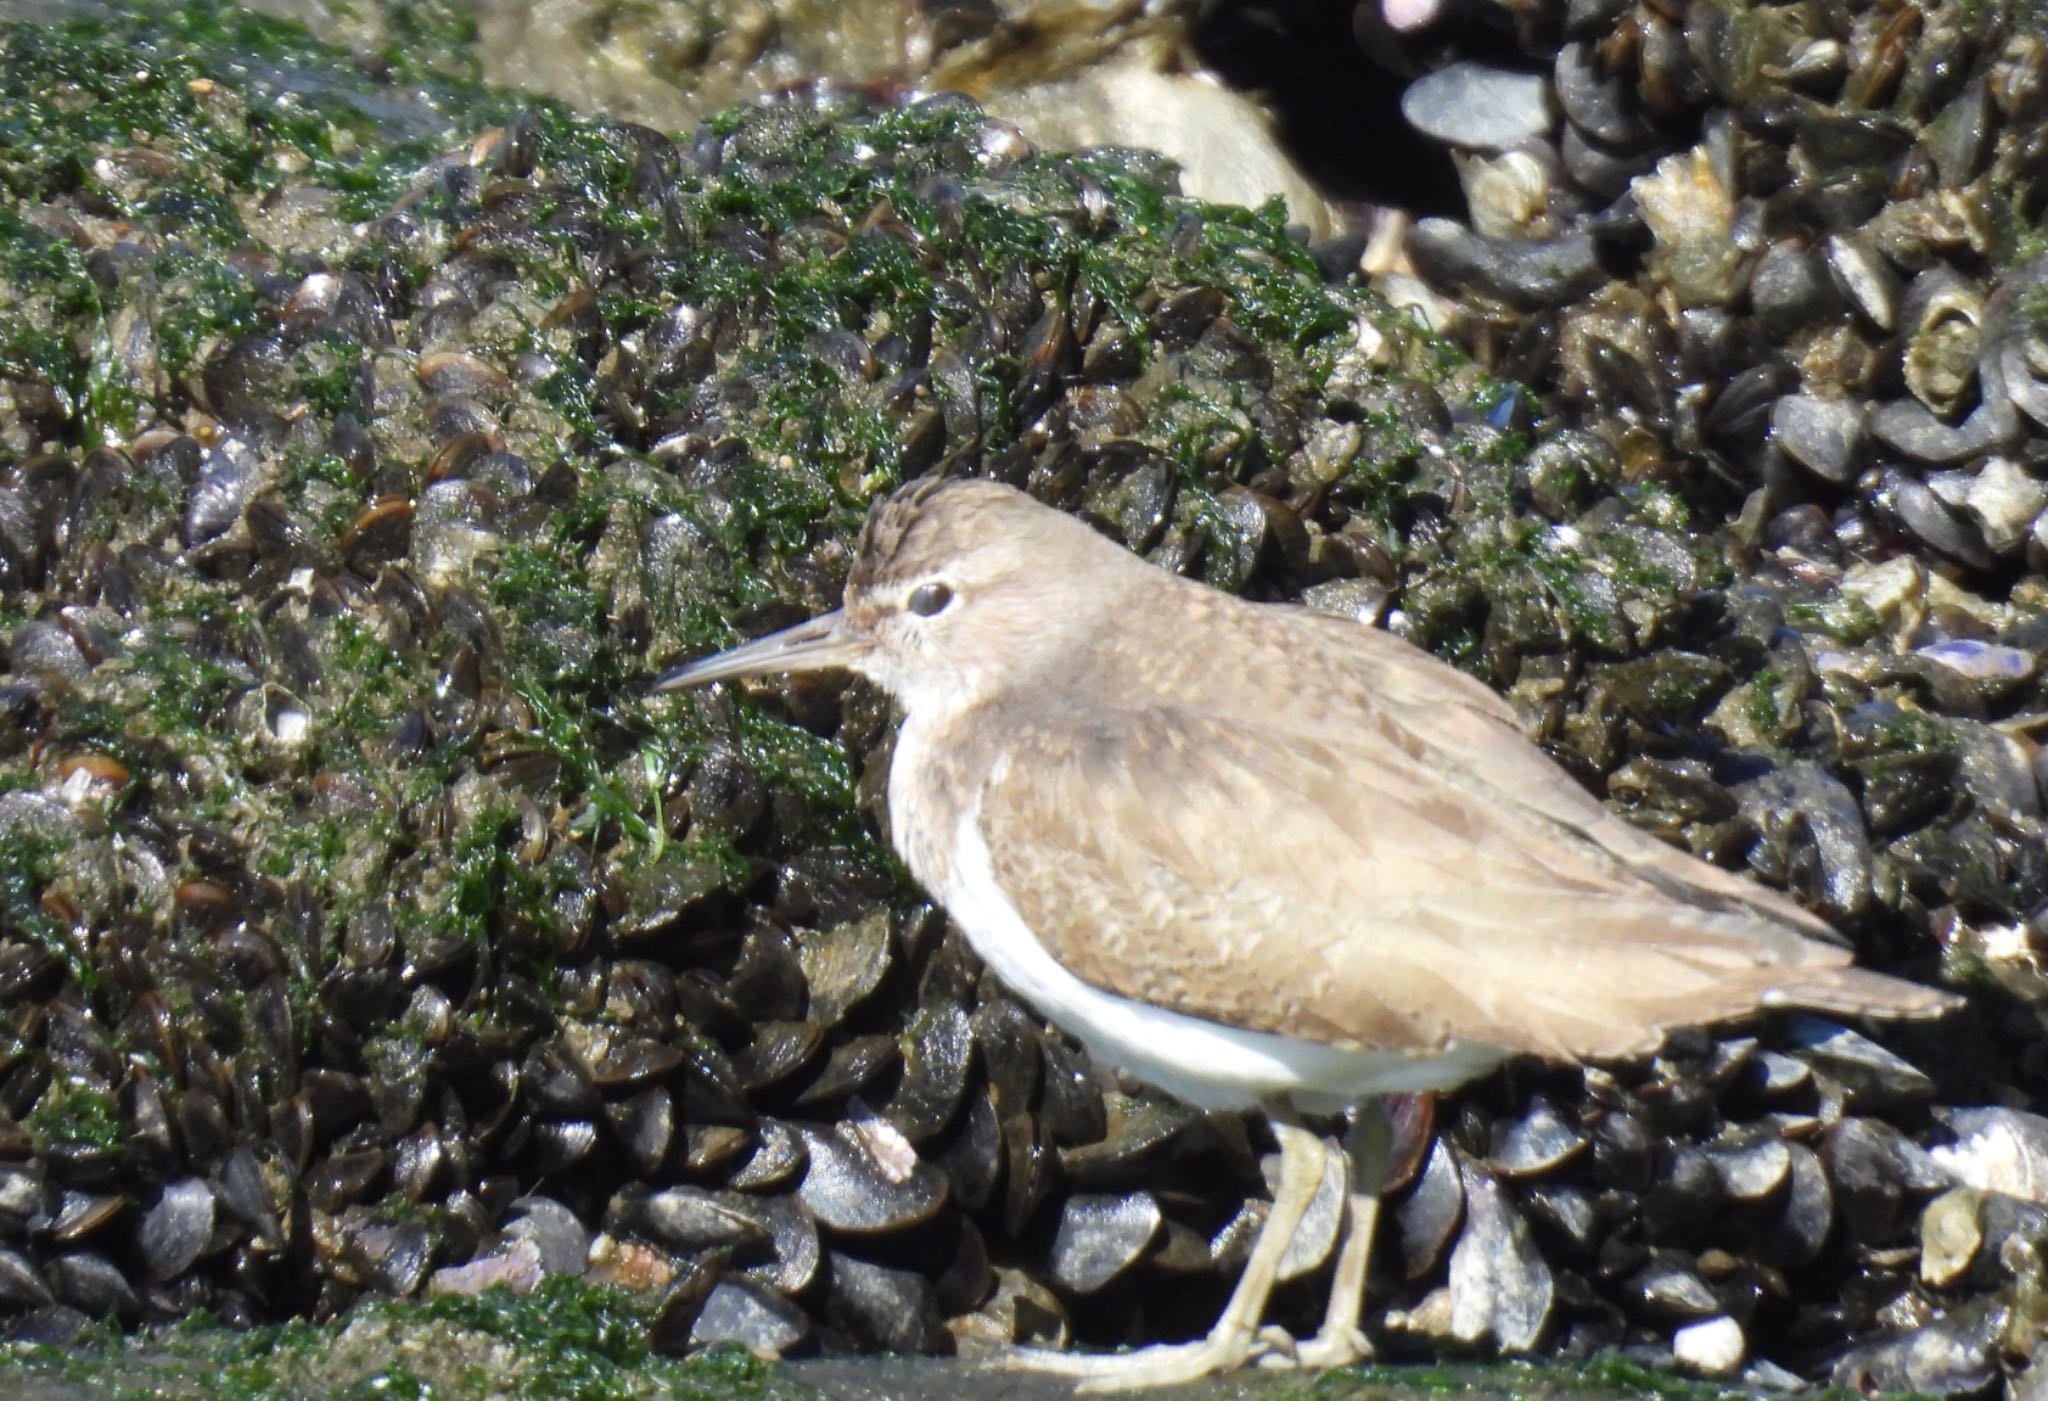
(1857, 992)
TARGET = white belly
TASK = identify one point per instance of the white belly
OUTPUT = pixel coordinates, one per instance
(1208, 1064)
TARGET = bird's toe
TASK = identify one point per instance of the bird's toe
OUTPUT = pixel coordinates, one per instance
(1333, 1347)
(1174, 1364)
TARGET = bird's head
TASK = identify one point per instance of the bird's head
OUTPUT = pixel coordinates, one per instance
(959, 588)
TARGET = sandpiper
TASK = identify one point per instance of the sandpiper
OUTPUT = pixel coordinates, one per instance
(1267, 859)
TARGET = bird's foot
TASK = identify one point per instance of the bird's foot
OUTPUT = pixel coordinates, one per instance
(1333, 1347)
(1163, 1364)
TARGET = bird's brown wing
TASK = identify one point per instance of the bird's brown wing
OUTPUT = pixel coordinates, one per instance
(1467, 736)
(1343, 889)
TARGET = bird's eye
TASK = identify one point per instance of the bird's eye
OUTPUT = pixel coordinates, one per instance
(927, 599)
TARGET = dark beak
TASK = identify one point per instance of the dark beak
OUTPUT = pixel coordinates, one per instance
(818, 645)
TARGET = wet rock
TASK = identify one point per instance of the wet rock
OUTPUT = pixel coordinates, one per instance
(1501, 1289)
(1873, 1171)
(560, 1241)
(1713, 1346)
(759, 1320)
(692, 1220)
(1822, 435)
(1810, 823)
(843, 965)
(1668, 1289)
(1102, 1237)
(1955, 1355)
(21, 1283)
(937, 1060)
(1968, 1235)
(1870, 1076)
(1539, 1142)
(1596, 102)
(177, 1228)
(1996, 1149)
(1430, 1214)
(882, 1309)
(1752, 1172)
(400, 610)
(1478, 107)
(1517, 271)
(515, 1268)
(865, 1183)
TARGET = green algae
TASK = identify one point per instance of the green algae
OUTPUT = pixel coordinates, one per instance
(240, 101)
(182, 121)
(48, 293)
(30, 868)
(1840, 616)
(73, 1114)
(569, 1341)
(565, 1341)
(187, 123)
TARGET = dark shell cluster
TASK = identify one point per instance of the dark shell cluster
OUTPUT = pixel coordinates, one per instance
(1795, 244)
(366, 930)
(1784, 261)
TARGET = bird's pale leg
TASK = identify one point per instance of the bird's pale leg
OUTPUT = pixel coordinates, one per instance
(1231, 1342)
(1342, 1340)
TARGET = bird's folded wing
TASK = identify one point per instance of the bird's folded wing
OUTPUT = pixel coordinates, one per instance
(1468, 736)
(1342, 889)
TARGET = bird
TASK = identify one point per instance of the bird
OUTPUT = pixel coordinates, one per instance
(1266, 859)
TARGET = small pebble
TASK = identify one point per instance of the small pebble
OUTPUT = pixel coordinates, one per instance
(1478, 106)
(1713, 1346)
